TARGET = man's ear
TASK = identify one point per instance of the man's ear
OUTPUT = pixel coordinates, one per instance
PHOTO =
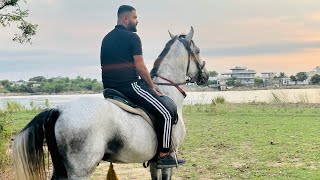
(126, 18)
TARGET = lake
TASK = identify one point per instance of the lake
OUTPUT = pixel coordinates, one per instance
(289, 95)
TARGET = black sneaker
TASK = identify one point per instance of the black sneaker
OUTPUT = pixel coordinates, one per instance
(169, 162)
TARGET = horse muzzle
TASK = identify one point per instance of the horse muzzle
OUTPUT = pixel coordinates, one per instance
(201, 78)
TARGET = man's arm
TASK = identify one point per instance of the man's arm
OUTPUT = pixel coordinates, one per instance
(143, 72)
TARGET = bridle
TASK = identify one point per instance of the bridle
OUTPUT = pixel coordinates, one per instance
(200, 67)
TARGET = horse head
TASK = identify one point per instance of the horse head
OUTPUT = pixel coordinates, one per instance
(196, 70)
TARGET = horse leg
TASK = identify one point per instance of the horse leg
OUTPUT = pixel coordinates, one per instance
(80, 154)
(166, 173)
(160, 174)
(155, 173)
(81, 166)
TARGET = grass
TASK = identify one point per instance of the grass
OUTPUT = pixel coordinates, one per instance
(12, 119)
(251, 141)
(235, 141)
(279, 97)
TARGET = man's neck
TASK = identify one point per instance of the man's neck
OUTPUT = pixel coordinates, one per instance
(122, 24)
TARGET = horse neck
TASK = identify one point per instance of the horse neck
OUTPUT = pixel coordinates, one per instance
(173, 67)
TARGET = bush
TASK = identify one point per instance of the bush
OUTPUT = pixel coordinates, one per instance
(13, 106)
(218, 100)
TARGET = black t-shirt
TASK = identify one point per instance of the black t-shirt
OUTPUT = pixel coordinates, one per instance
(117, 63)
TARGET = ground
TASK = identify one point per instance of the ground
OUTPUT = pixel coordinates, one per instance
(123, 171)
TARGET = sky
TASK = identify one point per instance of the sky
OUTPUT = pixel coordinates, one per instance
(263, 35)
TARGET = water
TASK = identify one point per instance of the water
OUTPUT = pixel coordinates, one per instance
(290, 95)
(39, 100)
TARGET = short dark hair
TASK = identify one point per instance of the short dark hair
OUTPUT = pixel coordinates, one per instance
(124, 8)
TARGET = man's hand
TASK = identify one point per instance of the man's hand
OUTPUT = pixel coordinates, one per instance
(143, 73)
(157, 91)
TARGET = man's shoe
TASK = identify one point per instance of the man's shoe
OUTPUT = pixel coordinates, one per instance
(169, 162)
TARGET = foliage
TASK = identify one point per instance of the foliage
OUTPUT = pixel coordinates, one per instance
(301, 76)
(258, 81)
(17, 16)
(232, 82)
(37, 79)
(213, 73)
(5, 83)
(218, 100)
(315, 79)
(12, 119)
(282, 75)
(39, 84)
(293, 78)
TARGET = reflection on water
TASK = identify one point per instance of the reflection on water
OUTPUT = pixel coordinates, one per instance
(290, 95)
(39, 100)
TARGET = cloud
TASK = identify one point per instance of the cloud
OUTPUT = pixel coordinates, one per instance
(261, 49)
(38, 59)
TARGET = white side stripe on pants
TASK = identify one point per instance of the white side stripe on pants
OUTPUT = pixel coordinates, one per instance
(167, 116)
(152, 100)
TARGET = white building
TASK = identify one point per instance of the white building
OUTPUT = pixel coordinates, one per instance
(267, 78)
(241, 74)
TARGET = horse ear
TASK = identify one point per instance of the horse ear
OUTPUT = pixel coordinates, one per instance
(190, 35)
(171, 35)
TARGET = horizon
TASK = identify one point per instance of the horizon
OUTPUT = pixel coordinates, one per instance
(266, 36)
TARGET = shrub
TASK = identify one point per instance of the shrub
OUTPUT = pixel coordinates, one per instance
(218, 100)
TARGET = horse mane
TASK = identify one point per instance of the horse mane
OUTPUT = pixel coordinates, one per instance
(160, 58)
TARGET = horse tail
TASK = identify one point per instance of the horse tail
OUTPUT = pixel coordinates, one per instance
(28, 155)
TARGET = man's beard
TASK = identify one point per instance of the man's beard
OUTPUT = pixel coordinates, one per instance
(132, 27)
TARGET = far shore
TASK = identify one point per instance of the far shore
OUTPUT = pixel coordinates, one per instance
(186, 88)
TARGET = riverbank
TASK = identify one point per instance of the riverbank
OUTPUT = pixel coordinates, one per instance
(248, 88)
(185, 88)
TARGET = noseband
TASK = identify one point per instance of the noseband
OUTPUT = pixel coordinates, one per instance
(200, 67)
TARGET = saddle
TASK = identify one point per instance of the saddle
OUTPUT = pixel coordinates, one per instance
(124, 103)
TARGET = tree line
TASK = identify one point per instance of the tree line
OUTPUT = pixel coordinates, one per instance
(40, 84)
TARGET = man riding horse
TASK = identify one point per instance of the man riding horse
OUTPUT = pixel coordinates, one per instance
(122, 64)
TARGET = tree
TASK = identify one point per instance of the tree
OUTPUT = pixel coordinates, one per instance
(17, 16)
(5, 83)
(37, 79)
(258, 81)
(282, 75)
(301, 76)
(213, 73)
(232, 81)
(294, 79)
(315, 79)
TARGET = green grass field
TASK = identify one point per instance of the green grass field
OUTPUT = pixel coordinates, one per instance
(236, 141)
(257, 141)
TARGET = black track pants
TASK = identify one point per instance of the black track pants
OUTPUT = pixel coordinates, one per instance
(142, 95)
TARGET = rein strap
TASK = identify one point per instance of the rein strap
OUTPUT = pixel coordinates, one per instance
(171, 83)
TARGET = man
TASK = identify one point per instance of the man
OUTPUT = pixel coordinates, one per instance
(122, 63)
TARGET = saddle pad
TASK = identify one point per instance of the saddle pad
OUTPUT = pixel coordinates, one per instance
(137, 111)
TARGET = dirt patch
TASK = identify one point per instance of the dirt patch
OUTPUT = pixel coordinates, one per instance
(123, 171)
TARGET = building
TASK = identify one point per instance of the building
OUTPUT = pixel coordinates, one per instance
(286, 81)
(267, 78)
(241, 74)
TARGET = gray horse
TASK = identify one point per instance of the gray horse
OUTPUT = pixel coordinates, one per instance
(82, 132)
